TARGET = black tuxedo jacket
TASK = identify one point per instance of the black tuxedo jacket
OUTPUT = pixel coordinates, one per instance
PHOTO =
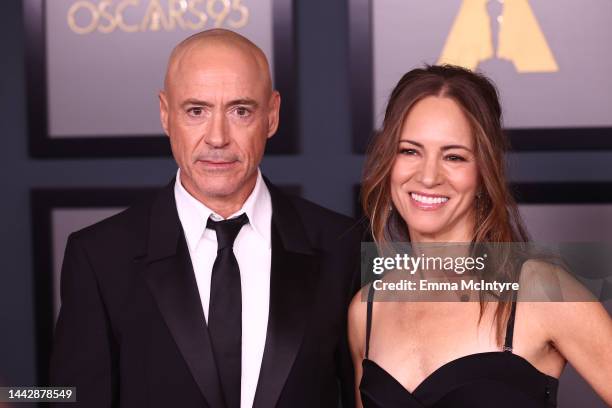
(132, 333)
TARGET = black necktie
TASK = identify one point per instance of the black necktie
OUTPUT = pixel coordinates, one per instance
(225, 310)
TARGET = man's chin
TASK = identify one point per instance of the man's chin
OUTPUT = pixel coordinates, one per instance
(219, 192)
(221, 189)
(218, 187)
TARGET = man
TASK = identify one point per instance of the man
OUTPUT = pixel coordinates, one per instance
(222, 291)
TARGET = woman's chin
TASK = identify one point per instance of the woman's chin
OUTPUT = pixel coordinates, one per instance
(425, 232)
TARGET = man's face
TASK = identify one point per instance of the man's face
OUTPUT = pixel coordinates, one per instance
(218, 112)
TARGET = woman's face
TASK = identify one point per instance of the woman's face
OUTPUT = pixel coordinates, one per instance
(434, 179)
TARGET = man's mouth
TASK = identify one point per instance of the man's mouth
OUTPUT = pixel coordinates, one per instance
(217, 164)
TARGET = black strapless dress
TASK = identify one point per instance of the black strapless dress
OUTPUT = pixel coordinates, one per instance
(499, 379)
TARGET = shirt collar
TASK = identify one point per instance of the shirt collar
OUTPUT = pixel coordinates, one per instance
(193, 214)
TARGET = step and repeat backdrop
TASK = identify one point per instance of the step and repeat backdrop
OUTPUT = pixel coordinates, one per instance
(94, 68)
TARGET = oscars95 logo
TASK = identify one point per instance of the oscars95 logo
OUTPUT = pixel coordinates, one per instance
(131, 16)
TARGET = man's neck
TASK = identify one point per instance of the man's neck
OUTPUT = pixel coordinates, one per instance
(222, 207)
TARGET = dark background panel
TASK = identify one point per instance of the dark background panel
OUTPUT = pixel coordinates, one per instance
(42, 202)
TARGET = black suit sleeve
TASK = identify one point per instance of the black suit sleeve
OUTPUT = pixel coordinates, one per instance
(344, 360)
(83, 354)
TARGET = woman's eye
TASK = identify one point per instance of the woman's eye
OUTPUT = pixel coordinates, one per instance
(455, 158)
(408, 152)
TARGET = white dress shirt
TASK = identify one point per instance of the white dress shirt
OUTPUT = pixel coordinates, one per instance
(253, 251)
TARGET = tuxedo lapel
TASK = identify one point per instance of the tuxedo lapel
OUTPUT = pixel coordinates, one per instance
(169, 274)
(293, 278)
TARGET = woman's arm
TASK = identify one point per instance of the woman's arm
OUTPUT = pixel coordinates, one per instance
(573, 321)
(582, 332)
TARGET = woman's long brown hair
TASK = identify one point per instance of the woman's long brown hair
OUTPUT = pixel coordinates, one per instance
(496, 212)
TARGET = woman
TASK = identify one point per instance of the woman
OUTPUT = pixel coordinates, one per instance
(435, 173)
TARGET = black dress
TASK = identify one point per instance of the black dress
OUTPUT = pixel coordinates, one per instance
(498, 379)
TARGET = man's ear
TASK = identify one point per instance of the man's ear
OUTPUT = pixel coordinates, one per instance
(163, 111)
(273, 113)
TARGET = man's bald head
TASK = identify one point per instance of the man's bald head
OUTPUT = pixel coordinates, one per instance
(207, 43)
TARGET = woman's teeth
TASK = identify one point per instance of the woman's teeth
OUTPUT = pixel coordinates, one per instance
(428, 200)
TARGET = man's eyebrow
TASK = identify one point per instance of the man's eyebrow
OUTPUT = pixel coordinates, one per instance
(243, 101)
(444, 148)
(192, 101)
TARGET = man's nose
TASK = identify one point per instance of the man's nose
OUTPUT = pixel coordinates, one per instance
(430, 174)
(217, 132)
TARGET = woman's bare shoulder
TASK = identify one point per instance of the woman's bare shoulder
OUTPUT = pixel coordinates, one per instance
(544, 280)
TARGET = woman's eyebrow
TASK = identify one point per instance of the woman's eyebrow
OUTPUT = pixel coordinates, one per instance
(446, 147)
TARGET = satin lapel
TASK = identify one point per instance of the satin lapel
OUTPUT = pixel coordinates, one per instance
(169, 274)
(293, 279)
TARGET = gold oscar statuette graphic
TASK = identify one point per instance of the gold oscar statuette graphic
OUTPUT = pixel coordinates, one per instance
(520, 40)
(106, 16)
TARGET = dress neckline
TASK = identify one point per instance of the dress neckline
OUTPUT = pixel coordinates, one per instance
(452, 363)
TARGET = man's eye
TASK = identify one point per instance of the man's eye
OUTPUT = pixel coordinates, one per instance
(195, 111)
(242, 112)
